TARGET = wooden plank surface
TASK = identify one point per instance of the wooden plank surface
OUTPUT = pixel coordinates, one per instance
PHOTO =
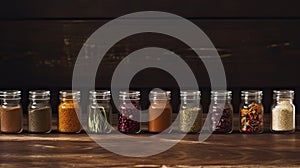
(260, 47)
(13, 9)
(78, 150)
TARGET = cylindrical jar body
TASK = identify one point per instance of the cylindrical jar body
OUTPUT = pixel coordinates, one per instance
(251, 112)
(129, 112)
(69, 112)
(221, 112)
(283, 111)
(160, 111)
(190, 112)
(39, 111)
(11, 111)
(99, 112)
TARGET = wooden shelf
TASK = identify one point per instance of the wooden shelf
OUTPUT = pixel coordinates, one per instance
(66, 150)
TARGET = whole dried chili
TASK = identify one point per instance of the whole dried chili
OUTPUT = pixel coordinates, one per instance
(251, 112)
(221, 111)
(252, 118)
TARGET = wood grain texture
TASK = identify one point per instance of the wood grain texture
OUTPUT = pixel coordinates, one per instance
(78, 150)
(264, 50)
(13, 9)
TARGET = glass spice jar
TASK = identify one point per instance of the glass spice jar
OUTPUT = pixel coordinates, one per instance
(69, 112)
(99, 112)
(129, 112)
(221, 112)
(283, 111)
(190, 112)
(160, 111)
(39, 111)
(11, 111)
(251, 112)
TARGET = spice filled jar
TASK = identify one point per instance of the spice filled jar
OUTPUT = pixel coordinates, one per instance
(69, 112)
(190, 112)
(39, 111)
(283, 111)
(160, 111)
(221, 112)
(99, 112)
(11, 111)
(251, 112)
(129, 112)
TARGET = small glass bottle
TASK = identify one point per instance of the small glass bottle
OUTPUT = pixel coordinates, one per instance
(11, 111)
(69, 112)
(283, 111)
(190, 112)
(129, 112)
(99, 112)
(39, 112)
(160, 111)
(221, 112)
(251, 112)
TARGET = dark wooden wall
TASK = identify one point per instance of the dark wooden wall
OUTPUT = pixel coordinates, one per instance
(258, 41)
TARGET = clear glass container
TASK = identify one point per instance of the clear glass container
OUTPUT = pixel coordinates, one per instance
(39, 111)
(160, 111)
(69, 112)
(129, 112)
(99, 112)
(221, 112)
(283, 111)
(190, 112)
(11, 111)
(251, 112)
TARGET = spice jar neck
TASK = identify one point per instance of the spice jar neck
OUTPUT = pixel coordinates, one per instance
(283, 95)
(249, 101)
(220, 101)
(160, 101)
(283, 100)
(188, 101)
(126, 102)
(97, 101)
(71, 101)
(34, 101)
(10, 102)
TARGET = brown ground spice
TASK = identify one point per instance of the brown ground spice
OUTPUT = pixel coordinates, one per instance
(11, 119)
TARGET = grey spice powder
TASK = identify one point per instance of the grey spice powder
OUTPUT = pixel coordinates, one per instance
(39, 120)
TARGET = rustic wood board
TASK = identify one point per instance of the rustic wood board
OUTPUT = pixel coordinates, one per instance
(264, 50)
(13, 9)
(236, 149)
(79, 150)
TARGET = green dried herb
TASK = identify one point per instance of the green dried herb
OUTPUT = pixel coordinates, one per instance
(99, 119)
(191, 120)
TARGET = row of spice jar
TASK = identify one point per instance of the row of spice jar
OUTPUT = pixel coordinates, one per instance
(159, 115)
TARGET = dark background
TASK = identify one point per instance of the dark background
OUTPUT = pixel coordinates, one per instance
(258, 41)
